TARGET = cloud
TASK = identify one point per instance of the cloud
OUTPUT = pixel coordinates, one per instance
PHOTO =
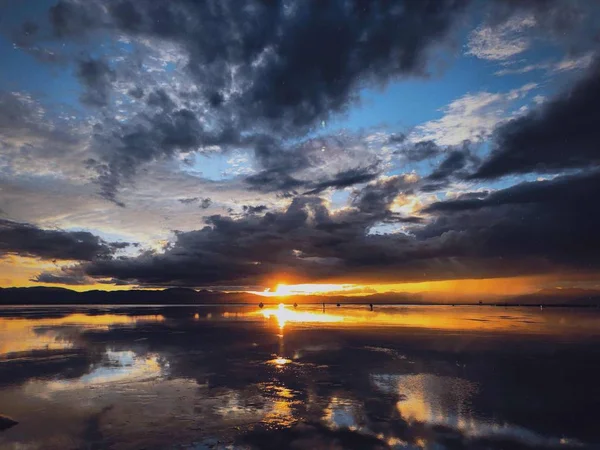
(502, 41)
(566, 64)
(276, 44)
(345, 179)
(314, 165)
(63, 278)
(27, 240)
(123, 147)
(36, 140)
(97, 78)
(472, 117)
(305, 240)
(205, 203)
(419, 151)
(456, 160)
(188, 200)
(254, 75)
(258, 209)
(511, 27)
(478, 234)
(562, 134)
(545, 222)
(377, 197)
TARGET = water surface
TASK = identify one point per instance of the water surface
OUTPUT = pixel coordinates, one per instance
(241, 377)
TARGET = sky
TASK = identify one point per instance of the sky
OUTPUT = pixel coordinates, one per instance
(363, 145)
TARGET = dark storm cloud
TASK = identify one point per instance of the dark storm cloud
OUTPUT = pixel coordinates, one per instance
(419, 151)
(563, 134)
(552, 221)
(259, 209)
(346, 178)
(136, 92)
(560, 192)
(453, 164)
(147, 137)
(205, 203)
(27, 240)
(160, 99)
(296, 64)
(52, 278)
(277, 46)
(97, 78)
(536, 227)
(274, 180)
(187, 201)
(305, 241)
(376, 197)
(70, 19)
(314, 165)
(572, 24)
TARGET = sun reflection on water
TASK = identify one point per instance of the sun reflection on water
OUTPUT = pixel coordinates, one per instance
(284, 315)
(279, 361)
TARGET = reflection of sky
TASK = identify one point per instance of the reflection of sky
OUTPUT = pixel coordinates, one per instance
(341, 413)
(192, 377)
(25, 334)
(463, 318)
(118, 366)
(439, 400)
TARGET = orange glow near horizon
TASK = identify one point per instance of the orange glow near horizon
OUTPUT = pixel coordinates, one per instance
(19, 334)
(283, 289)
(284, 315)
(465, 318)
(484, 287)
(20, 271)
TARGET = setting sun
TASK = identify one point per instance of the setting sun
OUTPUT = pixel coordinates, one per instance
(283, 289)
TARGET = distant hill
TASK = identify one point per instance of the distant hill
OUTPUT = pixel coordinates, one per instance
(60, 296)
(185, 296)
(556, 297)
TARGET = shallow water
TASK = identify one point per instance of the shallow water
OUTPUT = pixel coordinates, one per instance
(240, 377)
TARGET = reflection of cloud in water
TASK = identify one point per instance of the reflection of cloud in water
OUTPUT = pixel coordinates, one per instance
(236, 373)
(342, 413)
(271, 405)
(26, 334)
(430, 398)
(438, 400)
(118, 366)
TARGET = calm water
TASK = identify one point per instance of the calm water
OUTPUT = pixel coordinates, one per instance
(239, 377)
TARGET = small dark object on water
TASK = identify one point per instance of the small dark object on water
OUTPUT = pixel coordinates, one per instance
(6, 423)
(371, 306)
(338, 305)
(295, 305)
(261, 305)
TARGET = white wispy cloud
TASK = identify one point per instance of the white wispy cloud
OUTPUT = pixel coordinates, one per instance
(500, 42)
(471, 117)
(564, 65)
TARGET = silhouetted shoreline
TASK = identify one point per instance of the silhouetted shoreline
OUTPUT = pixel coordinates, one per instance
(44, 296)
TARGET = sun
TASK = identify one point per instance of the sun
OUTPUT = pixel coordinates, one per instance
(283, 289)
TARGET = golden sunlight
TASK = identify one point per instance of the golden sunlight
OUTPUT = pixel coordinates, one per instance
(283, 289)
(284, 315)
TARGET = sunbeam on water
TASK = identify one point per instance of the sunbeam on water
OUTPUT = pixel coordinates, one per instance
(285, 315)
